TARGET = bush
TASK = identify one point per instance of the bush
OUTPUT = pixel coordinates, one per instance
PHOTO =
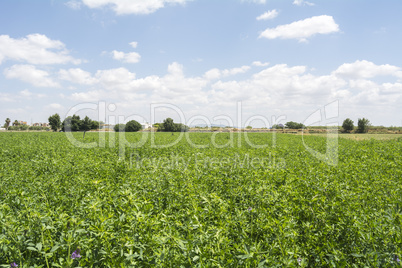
(348, 125)
(120, 127)
(363, 125)
(294, 125)
(169, 126)
(133, 126)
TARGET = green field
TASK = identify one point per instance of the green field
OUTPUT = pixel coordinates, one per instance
(125, 205)
(365, 136)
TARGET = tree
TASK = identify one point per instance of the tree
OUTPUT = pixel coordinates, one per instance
(86, 124)
(55, 122)
(120, 127)
(23, 127)
(95, 125)
(249, 127)
(133, 126)
(278, 126)
(71, 123)
(294, 125)
(363, 125)
(348, 125)
(168, 125)
(7, 124)
(180, 128)
(75, 123)
(16, 123)
(66, 125)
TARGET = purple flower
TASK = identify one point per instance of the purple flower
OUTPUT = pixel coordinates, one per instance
(13, 264)
(299, 260)
(76, 254)
(250, 209)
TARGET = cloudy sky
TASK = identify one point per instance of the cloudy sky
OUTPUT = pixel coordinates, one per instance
(276, 59)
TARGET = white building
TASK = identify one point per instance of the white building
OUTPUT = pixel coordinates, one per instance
(145, 125)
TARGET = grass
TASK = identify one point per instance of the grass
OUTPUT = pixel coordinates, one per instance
(211, 200)
(365, 136)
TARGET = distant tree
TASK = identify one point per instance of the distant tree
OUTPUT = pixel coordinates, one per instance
(363, 125)
(66, 124)
(249, 127)
(13, 128)
(36, 127)
(7, 124)
(180, 128)
(133, 126)
(16, 123)
(23, 127)
(294, 125)
(120, 127)
(55, 122)
(168, 125)
(278, 126)
(72, 123)
(75, 123)
(95, 125)
(348, 125)
(86, 124)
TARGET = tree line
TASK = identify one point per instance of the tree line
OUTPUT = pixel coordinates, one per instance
(75, 123)
(168, 125)
(18, 126)
(363, 125)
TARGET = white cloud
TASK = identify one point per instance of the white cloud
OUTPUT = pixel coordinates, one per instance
(120, 78)
(281, 89)
(131, 57)
(29, 74)
(260, 64)
(216, 73)
(213, 74)
(303, 29)
(73, 4)
(269, 15)
(28, 94)
(89, 96)
(122, 7)
(302, 3)
(78, 76)
(56, 106)
(255, 1)
(367, 69)
(134, 44)
(175, 81)
(6, 97)
(34, 49)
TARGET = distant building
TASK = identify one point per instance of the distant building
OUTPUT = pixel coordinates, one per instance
(2, 129)
(40, 125)
(106, 126)
(22, 123)
(145, 125)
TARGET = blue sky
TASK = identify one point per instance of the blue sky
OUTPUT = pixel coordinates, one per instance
(279, 59)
